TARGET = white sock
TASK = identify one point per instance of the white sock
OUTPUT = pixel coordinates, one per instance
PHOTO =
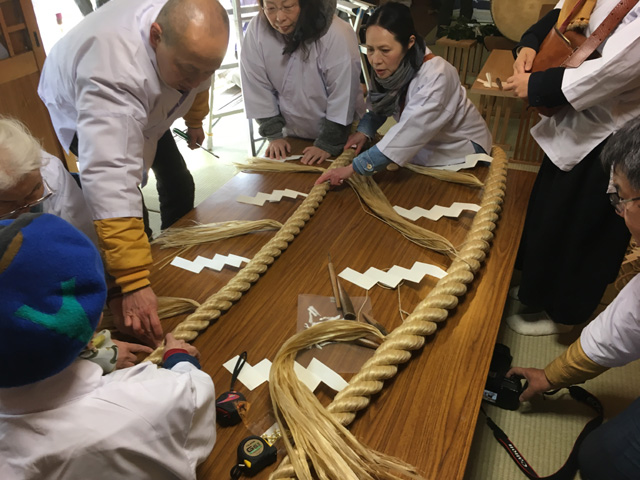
(536, 324)
(513, 292)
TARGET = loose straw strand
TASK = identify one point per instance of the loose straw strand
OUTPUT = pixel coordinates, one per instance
(410, 335)
(370, 193)
(221, 301)
(462, 178)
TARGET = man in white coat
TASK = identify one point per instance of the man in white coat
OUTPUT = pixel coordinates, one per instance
(114, 85)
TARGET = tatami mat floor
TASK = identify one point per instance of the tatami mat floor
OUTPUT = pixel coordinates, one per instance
(544, 429)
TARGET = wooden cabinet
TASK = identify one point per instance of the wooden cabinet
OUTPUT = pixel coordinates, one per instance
(20, 72)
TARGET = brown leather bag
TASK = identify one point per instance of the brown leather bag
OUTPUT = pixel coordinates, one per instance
(554, 52)
(569, 49)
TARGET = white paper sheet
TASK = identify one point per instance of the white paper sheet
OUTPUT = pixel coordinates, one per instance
(470, 161)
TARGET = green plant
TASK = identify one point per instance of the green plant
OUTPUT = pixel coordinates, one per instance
(465, 29)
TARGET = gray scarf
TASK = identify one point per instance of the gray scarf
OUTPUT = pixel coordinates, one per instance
(385, 93)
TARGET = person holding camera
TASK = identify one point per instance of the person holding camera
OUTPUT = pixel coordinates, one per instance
(612, 451)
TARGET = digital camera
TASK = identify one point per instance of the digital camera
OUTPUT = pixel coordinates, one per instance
(499, 390)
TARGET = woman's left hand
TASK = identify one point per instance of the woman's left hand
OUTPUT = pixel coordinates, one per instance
(519, 83)
(335, 176)
(313, 155)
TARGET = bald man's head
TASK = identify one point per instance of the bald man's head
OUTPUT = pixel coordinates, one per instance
(190, 38)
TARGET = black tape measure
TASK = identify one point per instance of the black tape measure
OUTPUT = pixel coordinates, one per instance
(227, 404)
(254, 454)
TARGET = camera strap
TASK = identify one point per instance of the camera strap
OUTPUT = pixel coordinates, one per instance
(570, 467)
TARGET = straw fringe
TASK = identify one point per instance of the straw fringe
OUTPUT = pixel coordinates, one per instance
(264, 165)
(446, 175)
(371, 194)
(180, 237)
(320, 440)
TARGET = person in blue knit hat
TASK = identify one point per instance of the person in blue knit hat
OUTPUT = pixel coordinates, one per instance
(59, 416)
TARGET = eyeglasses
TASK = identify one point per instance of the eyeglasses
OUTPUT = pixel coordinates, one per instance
(286, 9)
(47, 192)
(618, 203)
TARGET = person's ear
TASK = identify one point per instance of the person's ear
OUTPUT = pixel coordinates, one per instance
(412, 41)
(155, 35)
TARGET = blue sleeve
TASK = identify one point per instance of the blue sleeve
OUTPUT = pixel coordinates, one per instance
(370, 162)
(176, 358)
(370, 123)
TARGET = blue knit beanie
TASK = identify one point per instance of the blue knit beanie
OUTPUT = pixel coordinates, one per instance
(52, 291)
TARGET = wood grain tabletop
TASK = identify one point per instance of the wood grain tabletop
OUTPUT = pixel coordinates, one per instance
(427, 413)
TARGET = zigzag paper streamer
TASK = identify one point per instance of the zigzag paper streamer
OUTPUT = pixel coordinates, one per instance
(470, 161)
(393, 276)
(275, 196)
(436, 212)
(312, 376)
(217, 263)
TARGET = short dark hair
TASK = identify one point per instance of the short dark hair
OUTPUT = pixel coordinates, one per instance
(396, 18)
(622, 153)
(313, 22)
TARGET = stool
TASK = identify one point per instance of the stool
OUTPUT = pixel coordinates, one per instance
(464, 55)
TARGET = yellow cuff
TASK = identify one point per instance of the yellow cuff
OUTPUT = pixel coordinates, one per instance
(126, 251)
(193, 118)
(572, 367)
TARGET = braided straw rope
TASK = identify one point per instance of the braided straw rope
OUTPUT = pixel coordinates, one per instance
(221, 301)
(397, 346)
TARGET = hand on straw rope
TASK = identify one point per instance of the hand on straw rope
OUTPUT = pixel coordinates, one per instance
(356, 140)
(136, 313)
(335, 176)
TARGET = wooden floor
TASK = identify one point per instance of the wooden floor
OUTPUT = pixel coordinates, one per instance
(426, 414)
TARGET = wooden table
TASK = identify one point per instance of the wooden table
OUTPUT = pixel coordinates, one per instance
(498, 107)
(427, 413)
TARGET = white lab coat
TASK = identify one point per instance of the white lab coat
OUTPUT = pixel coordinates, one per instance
(326, 84)
(138, 423)
(604, 93)
(101, 81)
(67, 201)
(438, 121)
(613, 338)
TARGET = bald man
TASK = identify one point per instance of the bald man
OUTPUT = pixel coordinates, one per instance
(113, 86)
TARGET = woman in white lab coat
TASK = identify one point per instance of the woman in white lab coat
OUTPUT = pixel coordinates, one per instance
(300, 68)
(436, 122)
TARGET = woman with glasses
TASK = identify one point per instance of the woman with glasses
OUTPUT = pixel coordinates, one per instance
(436, 122)
(300, 68)
(31, 180)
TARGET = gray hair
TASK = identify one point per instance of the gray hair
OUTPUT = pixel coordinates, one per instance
(622, 153)
(176, 16)
(20, 153)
